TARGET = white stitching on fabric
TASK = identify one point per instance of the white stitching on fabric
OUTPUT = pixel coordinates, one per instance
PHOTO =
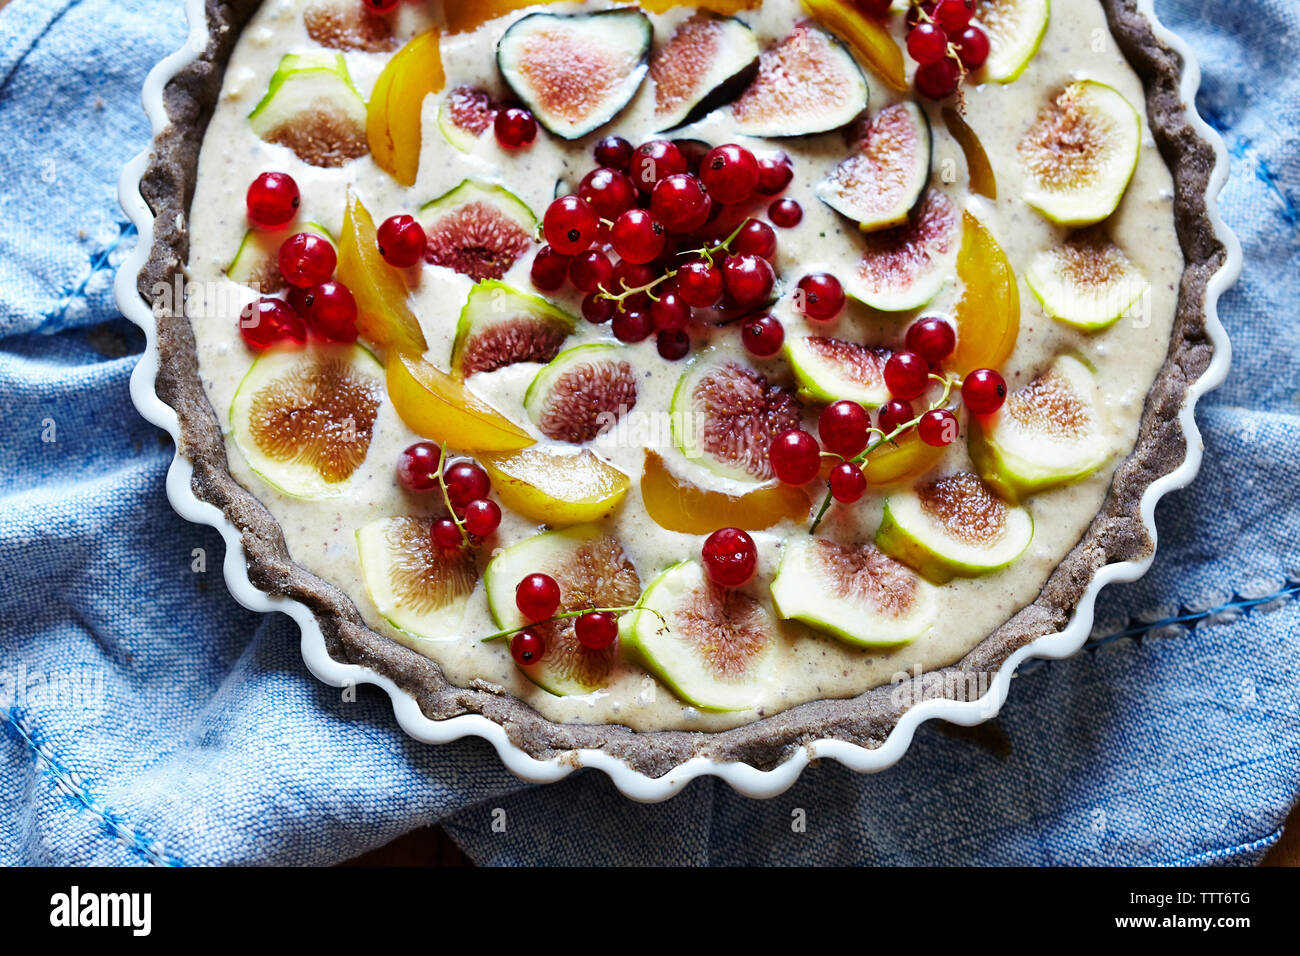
(71, 784)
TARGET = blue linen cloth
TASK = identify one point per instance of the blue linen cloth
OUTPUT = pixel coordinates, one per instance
(145, 718)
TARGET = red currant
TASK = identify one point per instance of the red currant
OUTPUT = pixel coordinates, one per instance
(848, 483)
(515, 127)
(591, 271)
(637, 237)
(954, 15)
(381, 6)
(417, 467)
(673, 344)
(932, 338)
(730, 558)
(875, 9)
(656, 160)
(730, 174)
(756, 238)
(699, 284)
(843, 428)
(632, 326)
(927, 43)
(273, 200)
(538, 597)
(796, 457)
(938, 428)
(984, 391)
(329, 309)
(670, 312)
(268, 322)
(550, 269)
(306, 259)
(973, 47)
(402, 241)
(938, 80)
(608, 191)
(763, 335)
(907, 375)
(570, 225)
(747, 281)
(527, 648)
(446, 535)
(614, 152)
(466, 482)
(894, 414)
(774, 174)
(680, 203)
(821, 297)
(596, 630)
(785, 213)
(596, 309)
(482, 517)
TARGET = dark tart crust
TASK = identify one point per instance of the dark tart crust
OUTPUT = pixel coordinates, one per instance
(1116, 534)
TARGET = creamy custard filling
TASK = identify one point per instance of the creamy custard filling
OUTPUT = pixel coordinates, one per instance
(807, 664)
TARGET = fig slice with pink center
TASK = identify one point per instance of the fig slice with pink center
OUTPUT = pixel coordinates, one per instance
(576, 72)
(716, 648)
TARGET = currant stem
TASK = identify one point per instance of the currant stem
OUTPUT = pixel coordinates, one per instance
(446, 498)
(708, 252)
(948, 382)
(567, 615)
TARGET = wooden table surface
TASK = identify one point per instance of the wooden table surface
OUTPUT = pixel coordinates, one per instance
(430, 846)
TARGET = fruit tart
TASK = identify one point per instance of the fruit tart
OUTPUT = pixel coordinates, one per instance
(682, 379)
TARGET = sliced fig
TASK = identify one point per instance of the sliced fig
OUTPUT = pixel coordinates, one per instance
(859, 595)
(904, 268)
(954, 526)
(832, 369)
(593, 571)
(348, 26)
(465, 115)
(303, 419)
(808, 83)
(501, 326)
(1087, 281)
(1015, 29)
(715, 648)
(313, 109)
(1080, 154)
(418, 588)
(725, 415)
(879, 184)
(577, 71)
(583, 393)
(478, 229)
(706, 64)
(257, 263)
(1049, 433)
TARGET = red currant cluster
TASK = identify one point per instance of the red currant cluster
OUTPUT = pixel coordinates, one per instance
(730, 560)
(666, 211)
(538, 598)
(942, 39)
(845, 427)
(316, 300)
(464, 486)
